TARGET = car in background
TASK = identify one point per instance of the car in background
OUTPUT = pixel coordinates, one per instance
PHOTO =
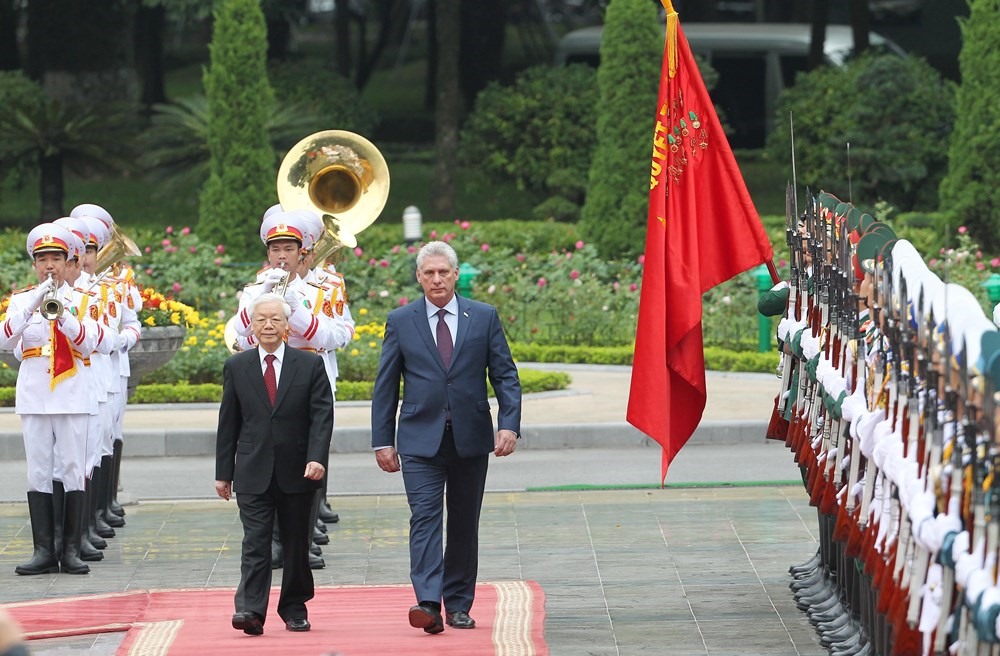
(755, 62)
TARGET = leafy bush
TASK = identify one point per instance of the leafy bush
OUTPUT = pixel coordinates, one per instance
(17, 92)
(970, 192)
(180, 392)
(964, 264)
(614, 214)
(896, 113)
(241, 172)
(332, 100)
(199, 360)
(538, 132)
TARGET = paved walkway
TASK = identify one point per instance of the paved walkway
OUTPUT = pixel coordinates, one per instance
(630, 570)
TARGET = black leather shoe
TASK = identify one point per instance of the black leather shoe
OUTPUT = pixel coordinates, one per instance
(426, 618)
(460, 620)
(326, 515)
(315, 562)
(249, 623)
(298, 624)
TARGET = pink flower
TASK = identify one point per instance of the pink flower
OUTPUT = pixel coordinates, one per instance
(149, 272)
(165, 243)
(484, 247)
(574, 274)
(434, 234)
(383, 263)
(979, 255)
(372, 261)
(542, 282)
(358, 252)
(170, 230)
(933, 262)
(980, 266)
(176, 286)
(615, 285)
(633, 287)
(447, 238)
(147, 249)
(962, 230)
(995, 262)
(782, 263)
(411, 249)
(192, 249)
(641, 259)
(941, 252)
(403, 300)
(185, 230)
(220, 249)
(465, 225)
(520, 257)
(217, 261)
(170, 249)
(569, 256)
(579, 244)
(395, 249)
(457, 222)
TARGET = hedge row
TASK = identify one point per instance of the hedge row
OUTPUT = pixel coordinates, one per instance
(716, 358)
(531, 381)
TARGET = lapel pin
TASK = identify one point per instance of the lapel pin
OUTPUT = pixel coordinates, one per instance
(465, 314)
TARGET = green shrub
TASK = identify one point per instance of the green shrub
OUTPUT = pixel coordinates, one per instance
(240, 185)
(530, 352)
(971, 191)
(614, 214)
(17, 93)
(538, 132)
(177, 393)
(332, 99)
(896, 113)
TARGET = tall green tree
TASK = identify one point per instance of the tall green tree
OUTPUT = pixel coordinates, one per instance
(614, 214)
(970, 192)
(241, 181)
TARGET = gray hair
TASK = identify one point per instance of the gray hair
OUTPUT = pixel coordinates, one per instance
(269, 297)
(437, 248)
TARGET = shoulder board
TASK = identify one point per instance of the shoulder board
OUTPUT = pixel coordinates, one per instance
(84, 291)
(316, 285)
(25, 289)
(251, 284)
(333, 272)
(262, 270)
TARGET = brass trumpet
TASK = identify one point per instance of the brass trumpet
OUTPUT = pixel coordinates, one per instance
(52, 307)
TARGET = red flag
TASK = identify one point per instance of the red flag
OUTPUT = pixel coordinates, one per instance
(702, 229)
(62, 363)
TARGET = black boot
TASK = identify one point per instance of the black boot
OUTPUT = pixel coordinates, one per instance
(43, 560)
(58, 499)
(326, 514)
(90, 529)
(88, 550)
(108, 493)
(113, 505)
(74, 508)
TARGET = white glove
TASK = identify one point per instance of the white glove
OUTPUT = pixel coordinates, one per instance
(120, 341)
(271, 278)
(293, 299)
(38, 294)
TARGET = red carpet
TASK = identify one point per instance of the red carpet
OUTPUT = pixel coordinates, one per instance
(346, 621)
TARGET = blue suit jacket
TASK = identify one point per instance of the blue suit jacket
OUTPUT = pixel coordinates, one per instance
(410, 353)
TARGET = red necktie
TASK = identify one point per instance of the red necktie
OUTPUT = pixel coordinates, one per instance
(445, 347)
(270, 379)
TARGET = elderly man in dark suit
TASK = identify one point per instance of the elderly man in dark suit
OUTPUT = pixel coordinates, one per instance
(273, 440)
(443, 347)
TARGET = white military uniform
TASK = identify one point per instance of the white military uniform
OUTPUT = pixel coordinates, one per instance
(54, 413)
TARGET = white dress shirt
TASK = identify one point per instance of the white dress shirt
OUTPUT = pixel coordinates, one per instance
(450, 319)
(279, 355)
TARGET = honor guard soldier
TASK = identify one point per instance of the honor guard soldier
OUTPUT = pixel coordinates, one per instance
(51, 398)
(119, 285)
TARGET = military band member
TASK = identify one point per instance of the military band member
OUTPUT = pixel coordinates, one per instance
(127, 303)
(52, 397)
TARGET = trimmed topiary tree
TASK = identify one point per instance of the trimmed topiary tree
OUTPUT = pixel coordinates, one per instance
(614, 214)
(241, 182)
(970, 192)
(897, 114)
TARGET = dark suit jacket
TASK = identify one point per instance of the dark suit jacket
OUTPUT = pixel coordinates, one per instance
(254, 440)
(409, 352)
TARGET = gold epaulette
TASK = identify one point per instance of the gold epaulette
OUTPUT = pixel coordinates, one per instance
(251, 284)
(21, 291)
(334, 273)
(316, 284)
(85, 291)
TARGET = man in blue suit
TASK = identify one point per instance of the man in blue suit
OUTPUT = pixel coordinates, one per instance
(443, 347)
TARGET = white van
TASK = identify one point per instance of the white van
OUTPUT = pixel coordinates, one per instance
(755, 61)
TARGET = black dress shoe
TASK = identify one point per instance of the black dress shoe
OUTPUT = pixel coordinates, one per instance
(427, 618)
(460, 620)
(326, 515)
(298, 624)
(249, 623)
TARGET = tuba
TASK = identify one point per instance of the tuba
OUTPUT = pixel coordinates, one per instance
(109, 258)
(342, 177)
